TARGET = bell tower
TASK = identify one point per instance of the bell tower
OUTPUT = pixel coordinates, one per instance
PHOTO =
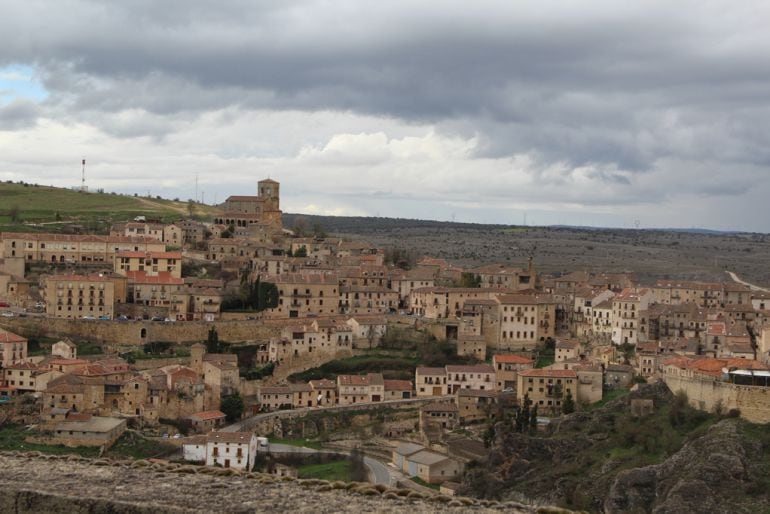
(270, 190)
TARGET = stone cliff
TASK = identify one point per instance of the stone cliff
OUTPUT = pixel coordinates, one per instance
(709, 474)
(610, 459)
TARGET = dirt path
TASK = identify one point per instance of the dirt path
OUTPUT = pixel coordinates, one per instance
(157, 205)
(751, 286)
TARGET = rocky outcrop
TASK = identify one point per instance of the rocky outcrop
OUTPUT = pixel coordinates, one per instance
(703, 476)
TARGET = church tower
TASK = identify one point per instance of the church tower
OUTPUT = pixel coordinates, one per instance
(270, 190)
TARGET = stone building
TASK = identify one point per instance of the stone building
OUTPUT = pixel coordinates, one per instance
(78, 296)
(61, 248)
(153, 264)
(303, 295)
(13, 348)
(241, 211)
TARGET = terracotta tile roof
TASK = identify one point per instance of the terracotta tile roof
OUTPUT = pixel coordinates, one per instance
(21, 365)
(244, 198)
(630, 295)
(324, 383)
(229, 437)
(511, 359)
(148, 255)
(353, 380)
(310, 278)
(275, 390)
(477, 368)
(398, 385)
(425, 370)
(207, 415)
(548, 373)
(525, 299)
(77, 238)
(10, 337)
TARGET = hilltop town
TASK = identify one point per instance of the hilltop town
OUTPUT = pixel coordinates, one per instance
(222, 341)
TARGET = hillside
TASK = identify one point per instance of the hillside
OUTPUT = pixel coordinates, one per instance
(652, 254)
(674, 459)
(31, 207)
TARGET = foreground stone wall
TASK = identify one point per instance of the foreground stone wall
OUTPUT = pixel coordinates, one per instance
(34, 483)
(752, 401)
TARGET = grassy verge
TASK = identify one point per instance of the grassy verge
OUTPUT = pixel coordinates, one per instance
(89, 348)
(418, 480)
(608, 396)
(130, 445)
(135, 446)
(336, 470)
(12, 437)
(390, 366)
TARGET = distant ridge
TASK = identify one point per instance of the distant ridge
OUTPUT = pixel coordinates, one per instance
(355, 224)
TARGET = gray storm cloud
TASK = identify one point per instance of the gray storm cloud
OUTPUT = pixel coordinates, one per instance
(595, 103)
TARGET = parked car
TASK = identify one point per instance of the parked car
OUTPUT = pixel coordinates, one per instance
(88, 317)
(7, 314)
(105, 317)
(156, 318)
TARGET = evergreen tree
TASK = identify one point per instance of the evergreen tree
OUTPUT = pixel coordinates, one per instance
(568, 406)
(533, 418)
(212, 342)
(233, 407)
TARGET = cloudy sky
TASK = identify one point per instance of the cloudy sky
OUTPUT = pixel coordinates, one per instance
(572, 112)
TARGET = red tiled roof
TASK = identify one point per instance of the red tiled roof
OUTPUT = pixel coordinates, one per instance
(350, 380)
(149, 255)
(10, 337)
(548, 373)
(398, 385)
(512, 359)
(208, 414)
(425, 370)
(477, 368)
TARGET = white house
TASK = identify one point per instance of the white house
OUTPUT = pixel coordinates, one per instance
(65, 349)
(194, 449)
(231, 449)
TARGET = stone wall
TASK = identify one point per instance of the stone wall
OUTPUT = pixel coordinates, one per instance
(305, 361)
(140, 332)
(752, 401)
(266, 423)
(142, 364)
(32, 483)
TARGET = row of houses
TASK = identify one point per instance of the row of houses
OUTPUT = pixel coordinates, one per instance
(345, 390)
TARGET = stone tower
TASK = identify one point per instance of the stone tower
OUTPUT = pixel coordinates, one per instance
(270, 190)
(197, 351)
